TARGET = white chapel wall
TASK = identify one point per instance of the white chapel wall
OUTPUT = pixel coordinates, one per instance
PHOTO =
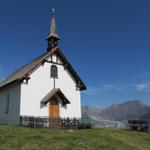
(41, 84)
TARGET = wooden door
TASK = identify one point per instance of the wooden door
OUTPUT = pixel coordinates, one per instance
(53, 109)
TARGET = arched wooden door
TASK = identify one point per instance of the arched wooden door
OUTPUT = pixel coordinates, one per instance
(53, 109)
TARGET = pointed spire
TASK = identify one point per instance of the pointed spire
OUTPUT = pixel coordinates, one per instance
(52, 37)
(53, 25)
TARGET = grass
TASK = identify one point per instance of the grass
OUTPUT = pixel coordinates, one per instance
(20, 138)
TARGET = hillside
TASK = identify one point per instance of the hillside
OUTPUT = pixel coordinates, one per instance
(13, 137)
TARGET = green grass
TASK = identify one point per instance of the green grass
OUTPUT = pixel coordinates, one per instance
(20, 138)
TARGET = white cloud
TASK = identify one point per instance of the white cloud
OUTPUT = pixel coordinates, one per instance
(145, 74)
(113, 87)
(93, 91)
(144, 87)
(103, 88)
(97, 90)
(140, 87)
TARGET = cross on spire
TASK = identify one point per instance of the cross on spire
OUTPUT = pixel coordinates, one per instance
(52, 37)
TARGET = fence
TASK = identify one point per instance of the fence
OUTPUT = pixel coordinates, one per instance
(55, 123)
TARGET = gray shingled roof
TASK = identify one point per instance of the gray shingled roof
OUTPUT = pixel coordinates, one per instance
(26, 70)
(23, 71)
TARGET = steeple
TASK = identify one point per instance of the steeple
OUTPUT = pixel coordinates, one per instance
(52, 37)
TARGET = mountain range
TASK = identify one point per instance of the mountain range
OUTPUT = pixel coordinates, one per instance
(134, 109)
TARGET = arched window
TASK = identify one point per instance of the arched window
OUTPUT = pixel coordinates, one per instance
(54, 71)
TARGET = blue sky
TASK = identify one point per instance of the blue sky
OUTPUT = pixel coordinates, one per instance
(107, 42)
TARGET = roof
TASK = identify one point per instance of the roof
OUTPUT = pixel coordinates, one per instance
(53, 93)
(26, 70)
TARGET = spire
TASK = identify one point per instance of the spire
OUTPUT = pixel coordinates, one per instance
(52, 37)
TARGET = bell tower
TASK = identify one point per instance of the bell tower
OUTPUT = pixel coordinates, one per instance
(52, 38)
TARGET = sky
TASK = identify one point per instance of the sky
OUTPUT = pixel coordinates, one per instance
(106, 41)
